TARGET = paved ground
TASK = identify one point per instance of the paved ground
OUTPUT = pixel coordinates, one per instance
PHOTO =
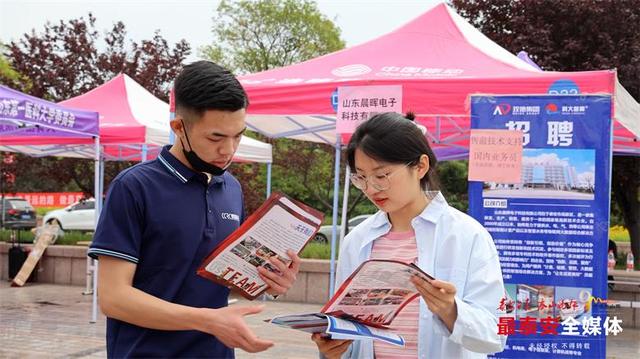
(52, 321)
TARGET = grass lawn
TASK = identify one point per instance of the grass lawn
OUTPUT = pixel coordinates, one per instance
(41, 211)
(69, 237)
(317, 251)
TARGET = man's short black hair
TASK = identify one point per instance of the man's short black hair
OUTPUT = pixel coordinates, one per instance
(204, 85)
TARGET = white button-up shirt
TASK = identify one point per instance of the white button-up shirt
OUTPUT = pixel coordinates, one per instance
(452, 247)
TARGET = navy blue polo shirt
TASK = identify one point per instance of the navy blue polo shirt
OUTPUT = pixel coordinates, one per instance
(166, 219)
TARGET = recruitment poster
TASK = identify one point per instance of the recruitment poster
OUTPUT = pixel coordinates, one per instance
(551, 226)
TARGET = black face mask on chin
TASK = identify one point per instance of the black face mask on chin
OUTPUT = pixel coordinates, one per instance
(196, 162)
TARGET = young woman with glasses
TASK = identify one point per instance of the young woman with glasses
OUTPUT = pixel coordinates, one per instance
(456, 314)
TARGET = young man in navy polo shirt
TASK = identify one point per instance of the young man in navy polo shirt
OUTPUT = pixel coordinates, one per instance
(160, 220)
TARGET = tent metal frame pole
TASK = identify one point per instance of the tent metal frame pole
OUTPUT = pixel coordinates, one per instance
(268, 179)
(143, 155)
(345, 202)
(336, 188)
(100, 200)
(97, 197)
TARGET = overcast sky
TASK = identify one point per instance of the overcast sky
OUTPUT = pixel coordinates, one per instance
(359, 20)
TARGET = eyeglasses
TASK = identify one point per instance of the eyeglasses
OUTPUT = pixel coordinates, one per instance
(379, 182)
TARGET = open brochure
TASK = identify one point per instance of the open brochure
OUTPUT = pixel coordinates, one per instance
(280, 224)
(365, 304)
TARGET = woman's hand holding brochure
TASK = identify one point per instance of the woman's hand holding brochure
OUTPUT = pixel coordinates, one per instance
(439, 297)
(330, 348)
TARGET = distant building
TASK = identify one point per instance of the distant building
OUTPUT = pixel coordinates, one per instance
(548, 174)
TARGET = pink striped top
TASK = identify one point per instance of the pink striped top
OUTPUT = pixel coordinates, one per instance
(400, 246)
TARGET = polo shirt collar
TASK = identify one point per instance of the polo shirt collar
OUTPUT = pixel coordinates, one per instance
(183, 173)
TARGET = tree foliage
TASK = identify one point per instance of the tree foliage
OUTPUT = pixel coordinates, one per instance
(252, 36)
(575, 36)
(66, 59)
(9, 76)
(69, 58)
(453, 179)
(303, 170)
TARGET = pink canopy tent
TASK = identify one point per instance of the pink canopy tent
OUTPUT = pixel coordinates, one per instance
(134, 123)
(439, 59)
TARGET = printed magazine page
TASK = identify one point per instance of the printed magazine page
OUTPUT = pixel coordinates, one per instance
(364, 305)
(279, 224)
(375, 293)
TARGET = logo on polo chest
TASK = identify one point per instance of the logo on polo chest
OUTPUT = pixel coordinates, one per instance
(230, 216)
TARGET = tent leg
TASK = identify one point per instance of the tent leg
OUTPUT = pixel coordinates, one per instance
(268, 179)
(345, 202)
(88, 284)
(264, 296)
(143, 154)
(98, 168)
(94, 299)
(100, 200)
(336, 188)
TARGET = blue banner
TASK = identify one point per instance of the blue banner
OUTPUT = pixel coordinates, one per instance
(551, 228)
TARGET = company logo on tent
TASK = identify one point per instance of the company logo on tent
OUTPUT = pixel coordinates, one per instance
(351, 70)
(551, 109)
(334, 100)
(563, 87)
(502, 109)
(575, 110)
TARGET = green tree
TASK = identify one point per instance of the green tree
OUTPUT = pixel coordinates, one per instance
(575, 36)
(453, 179)
(303, 170)
(9, 76)
(252, 36)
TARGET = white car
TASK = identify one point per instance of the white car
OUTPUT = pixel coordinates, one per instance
(78, 216)
(324, 233)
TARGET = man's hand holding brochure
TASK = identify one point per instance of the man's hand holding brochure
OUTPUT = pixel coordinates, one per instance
(246, 260)
(364, 305)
